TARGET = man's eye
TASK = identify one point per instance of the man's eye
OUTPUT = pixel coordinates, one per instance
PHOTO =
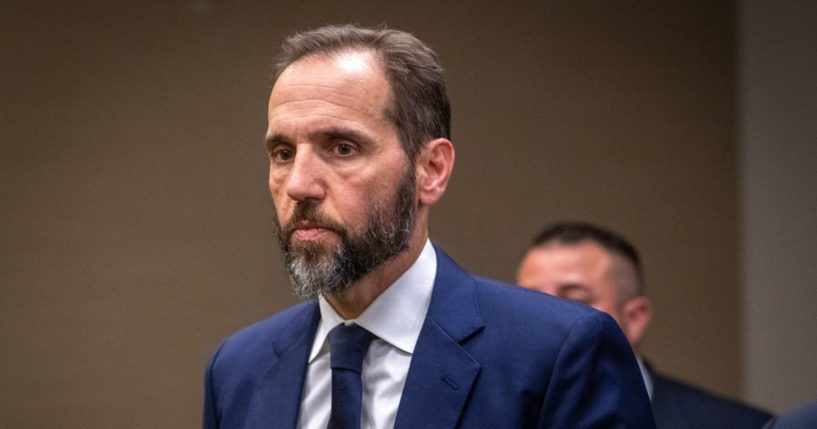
(577, 295)
(344, 149)
(283, 154)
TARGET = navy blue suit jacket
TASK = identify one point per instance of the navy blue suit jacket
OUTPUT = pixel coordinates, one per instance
(678, 405)
(489, 355)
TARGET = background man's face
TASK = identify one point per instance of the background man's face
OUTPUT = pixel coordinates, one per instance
(582, 272)
(343, 192)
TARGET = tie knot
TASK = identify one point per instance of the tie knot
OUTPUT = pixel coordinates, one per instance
(348, 346)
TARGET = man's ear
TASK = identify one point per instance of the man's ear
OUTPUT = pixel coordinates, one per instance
(638, 313)
(433, 169)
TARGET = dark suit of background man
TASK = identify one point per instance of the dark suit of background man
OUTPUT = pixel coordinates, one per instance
(597, 267)
(804, 417)
(359, 150)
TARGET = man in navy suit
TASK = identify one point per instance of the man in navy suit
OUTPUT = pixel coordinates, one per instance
(359, 149)
(597, 267)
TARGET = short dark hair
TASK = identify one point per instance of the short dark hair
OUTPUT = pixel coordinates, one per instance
(576, 232)
(418, 105)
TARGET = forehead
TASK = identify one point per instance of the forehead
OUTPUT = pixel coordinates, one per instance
(557, 263)
(349, 82)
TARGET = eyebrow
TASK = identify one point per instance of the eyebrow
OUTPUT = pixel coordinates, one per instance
(274, 139)
(320, 135)
(341, 133)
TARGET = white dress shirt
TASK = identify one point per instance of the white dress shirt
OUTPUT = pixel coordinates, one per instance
(396, 317)
(645, 374)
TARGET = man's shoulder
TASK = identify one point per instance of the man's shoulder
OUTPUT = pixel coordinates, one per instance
(503, 299)
(528, 319)
(570, 360)
(280, 321)
(261, 339)
(500, 297)
(693, 402)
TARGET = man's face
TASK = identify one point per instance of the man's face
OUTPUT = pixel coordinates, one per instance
(582, 272)
(342, 187)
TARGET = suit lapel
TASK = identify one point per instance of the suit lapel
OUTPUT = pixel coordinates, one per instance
(278, 398)
(441, 371)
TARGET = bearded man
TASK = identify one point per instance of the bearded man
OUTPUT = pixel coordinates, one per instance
(392, 333)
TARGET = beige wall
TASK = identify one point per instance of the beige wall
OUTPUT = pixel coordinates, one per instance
(778, 94)
(135, 226)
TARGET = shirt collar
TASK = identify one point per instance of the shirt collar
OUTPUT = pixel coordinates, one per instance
(397, 315)
(645, 374)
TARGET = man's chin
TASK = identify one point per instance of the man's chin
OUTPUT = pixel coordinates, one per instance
(312, 251)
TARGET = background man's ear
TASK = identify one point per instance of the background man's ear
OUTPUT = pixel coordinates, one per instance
(433, 169)
(638, 313)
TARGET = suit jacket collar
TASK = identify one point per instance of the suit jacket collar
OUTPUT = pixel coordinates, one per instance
(441, 371)
(279, 391)
(454, 304)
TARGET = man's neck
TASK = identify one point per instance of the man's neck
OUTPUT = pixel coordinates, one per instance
(351, 303)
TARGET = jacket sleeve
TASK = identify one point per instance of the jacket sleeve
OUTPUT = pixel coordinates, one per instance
(596, 382)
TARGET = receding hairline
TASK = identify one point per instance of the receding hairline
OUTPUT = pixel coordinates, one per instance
(333, 53)
(377, 60)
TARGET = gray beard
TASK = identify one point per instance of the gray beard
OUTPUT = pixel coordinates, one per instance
(315, 270)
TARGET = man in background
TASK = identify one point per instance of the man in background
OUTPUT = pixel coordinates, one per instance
(597, 267)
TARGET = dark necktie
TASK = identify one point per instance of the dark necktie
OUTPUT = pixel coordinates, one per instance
(347, 348)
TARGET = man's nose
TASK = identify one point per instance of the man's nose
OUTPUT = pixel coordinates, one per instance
(305, 181)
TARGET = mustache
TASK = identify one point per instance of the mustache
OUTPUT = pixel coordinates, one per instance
(307, 212)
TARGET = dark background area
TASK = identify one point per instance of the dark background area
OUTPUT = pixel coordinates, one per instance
(135, 229)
